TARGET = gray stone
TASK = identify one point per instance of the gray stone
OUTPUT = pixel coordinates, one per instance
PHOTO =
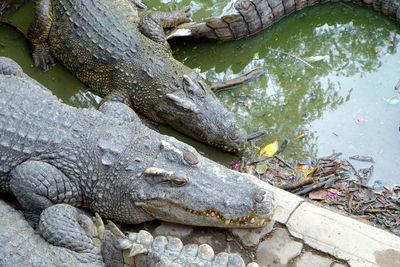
(308, 259)
(173, 229)
(251, 237)
(336, 264)
(278, 250)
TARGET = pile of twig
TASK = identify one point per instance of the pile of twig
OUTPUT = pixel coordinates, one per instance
(331, 181)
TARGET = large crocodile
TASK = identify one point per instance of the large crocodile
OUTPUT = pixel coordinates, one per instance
(104, 245)
(252, 16)
(53, 153)
(126, 57)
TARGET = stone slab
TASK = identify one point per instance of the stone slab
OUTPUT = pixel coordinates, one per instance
(251, 237)
(278, 249)
(309, 259)
(356, 242)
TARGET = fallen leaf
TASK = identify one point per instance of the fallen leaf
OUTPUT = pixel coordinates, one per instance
(235, 165)
(332, 195)
(269, 149)
(317, 195)
(361, 120)
(392, 101)
(302, 168)
(261, 168)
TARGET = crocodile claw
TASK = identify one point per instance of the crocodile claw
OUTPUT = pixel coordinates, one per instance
(42, 57)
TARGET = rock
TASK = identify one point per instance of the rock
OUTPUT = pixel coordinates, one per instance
(336, 264)
(278, 250)
(173, 229)
(309, 259)
(251, 237)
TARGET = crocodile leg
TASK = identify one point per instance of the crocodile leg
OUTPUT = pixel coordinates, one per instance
(152, 24)
(38, 33)
(38, 185)
(66, 226)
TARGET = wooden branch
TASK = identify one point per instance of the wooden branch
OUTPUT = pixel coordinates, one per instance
(237, 81)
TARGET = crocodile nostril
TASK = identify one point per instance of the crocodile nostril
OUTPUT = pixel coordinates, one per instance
(259, 196)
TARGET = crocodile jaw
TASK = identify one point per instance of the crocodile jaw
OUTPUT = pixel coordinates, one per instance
(169, 211)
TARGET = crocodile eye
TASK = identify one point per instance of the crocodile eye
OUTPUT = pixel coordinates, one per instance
(192, 88)
(179, 178)
(183, 104)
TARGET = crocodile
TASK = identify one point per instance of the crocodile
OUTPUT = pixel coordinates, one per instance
(124, 55)
(111, 163)
(253, 16)
(105, 245)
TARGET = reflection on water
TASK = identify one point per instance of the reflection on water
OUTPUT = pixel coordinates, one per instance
(358, 68)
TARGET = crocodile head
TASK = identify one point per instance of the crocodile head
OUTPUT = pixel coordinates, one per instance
(194, 110)
(181, 186)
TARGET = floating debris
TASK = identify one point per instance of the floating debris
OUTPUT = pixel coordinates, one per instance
(363, 158)
(333, 182)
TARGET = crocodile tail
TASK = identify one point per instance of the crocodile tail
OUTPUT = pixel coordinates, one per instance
(252, 16)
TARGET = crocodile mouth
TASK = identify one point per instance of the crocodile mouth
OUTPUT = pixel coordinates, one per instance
(197, 134)
(200, 135)
(250, 220)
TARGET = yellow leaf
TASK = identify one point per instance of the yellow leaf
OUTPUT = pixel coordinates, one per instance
(269, 149)
(255, 54)
(308, 172)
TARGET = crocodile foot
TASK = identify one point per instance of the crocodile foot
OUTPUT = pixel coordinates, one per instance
(42, 57)
(177, 16)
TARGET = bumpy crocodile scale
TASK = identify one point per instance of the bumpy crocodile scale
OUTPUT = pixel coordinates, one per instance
(105, 245)
(100, 245)
(125, 57)
(112, 164)
(253, 16)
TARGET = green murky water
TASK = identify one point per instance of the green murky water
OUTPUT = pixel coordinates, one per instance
(359, 70)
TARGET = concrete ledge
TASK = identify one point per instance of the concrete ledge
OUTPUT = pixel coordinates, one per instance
(357, 243)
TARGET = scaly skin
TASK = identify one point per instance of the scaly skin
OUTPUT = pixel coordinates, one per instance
(103, 245)
(53, 153)
(253, 16)
(125, 57)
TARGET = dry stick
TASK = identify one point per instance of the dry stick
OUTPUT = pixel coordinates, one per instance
(293, 56)
(237, 81)
(397, 85)
(302, 182)
(284, 162)
(315, 186)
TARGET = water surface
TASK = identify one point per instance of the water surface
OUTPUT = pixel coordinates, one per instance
(360, 68)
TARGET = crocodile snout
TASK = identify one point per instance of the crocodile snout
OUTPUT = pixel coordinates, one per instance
(264, 203)
(237, 136)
